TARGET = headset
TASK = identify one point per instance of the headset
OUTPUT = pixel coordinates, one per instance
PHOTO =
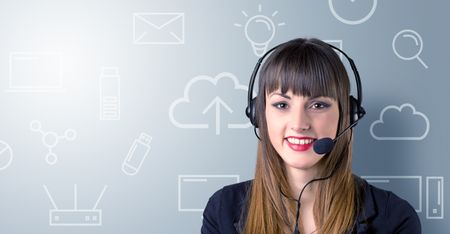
(356, 109)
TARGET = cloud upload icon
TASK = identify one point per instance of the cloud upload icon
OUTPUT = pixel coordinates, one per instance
(201, 105)
(400, 123)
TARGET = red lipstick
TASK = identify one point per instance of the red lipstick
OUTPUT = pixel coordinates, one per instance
(299, 143)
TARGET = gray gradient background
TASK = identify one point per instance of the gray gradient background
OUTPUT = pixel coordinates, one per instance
(94, 34)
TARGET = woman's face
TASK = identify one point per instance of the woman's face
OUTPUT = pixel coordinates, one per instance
(295, 122)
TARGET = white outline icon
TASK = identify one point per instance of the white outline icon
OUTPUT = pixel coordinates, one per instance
(173, 20)
(75, 216)
(417, 40)
(110, 93)
(195, 180)
(51, 139)
(379, 180)
(136, 155)
(217, 103)
(352, 22)
(5, 152)
(399, 109)
(436, 210)
(259, 45)
(26, 68)
(434, 186)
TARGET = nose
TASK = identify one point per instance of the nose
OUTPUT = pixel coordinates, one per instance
(300, 121)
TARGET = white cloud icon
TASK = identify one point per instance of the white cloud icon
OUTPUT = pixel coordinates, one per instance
(216, 104)
(400, 123)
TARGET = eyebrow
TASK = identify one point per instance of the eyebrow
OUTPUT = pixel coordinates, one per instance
(288, 97)
(280, 94)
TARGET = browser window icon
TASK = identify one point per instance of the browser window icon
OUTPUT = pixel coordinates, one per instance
(195, 190)
(35, 72)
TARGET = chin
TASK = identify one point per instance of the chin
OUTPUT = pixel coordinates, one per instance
(301, 165)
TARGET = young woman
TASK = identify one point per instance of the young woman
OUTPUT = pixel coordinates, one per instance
(303, 179)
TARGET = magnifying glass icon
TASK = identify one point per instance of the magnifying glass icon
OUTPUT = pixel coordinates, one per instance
(408, 33)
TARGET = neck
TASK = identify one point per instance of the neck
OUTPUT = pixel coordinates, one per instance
(298, 179)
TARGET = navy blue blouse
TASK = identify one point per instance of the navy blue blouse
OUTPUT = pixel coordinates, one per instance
(383, 211)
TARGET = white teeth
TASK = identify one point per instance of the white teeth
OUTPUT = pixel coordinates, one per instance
(300, 141)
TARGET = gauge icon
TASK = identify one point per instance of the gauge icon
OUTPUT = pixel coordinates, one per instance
(6, 155)
(352, 4)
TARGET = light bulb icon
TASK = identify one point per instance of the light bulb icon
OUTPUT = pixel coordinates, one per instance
(259, 31)
(260, 23)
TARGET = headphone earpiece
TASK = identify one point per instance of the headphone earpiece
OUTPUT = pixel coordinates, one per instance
(250, 111)
(353, 110)
(356, 110)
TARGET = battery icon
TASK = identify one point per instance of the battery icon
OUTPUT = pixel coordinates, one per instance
(110, 94)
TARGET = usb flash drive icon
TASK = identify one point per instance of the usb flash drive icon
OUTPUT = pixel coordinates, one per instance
(137, 154)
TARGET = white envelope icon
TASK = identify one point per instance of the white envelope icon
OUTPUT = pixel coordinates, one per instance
(158, 28)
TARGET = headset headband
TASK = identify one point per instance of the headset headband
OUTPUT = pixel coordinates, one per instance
(352, 64)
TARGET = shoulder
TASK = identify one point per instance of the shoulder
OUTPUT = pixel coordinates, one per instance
(384, 210)
(224, 208)
(236, 192)
(231, 194)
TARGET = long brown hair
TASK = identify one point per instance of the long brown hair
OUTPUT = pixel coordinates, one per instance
(308, 67)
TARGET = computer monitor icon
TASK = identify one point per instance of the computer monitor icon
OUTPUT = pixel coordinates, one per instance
(75, 216)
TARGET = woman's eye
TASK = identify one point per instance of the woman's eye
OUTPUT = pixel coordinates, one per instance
(280, 105)
(319, 105)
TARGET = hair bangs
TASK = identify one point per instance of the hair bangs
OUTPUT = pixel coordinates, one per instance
(305, 71)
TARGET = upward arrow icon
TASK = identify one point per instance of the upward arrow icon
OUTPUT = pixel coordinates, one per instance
(217, 102)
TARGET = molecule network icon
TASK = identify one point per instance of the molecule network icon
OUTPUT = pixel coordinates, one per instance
(51, 139)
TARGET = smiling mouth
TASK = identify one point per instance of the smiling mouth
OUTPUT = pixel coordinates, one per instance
(300, 144)
(297, 141)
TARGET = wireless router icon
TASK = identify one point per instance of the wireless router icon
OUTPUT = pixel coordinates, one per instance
(75, 216)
